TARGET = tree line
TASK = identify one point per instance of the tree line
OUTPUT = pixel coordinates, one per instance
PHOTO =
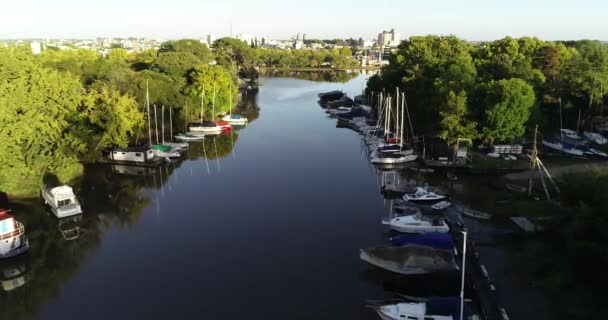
(491, 91)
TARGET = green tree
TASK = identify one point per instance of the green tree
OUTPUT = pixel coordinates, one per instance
(196, 48)
(113, 118)
(176, 64)
(507, 106)
(454, 124)
(209, 78)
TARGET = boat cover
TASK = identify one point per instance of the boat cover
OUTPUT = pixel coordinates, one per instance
(436, 240)
(62, 192)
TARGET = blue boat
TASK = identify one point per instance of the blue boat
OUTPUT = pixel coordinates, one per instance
(436, 240)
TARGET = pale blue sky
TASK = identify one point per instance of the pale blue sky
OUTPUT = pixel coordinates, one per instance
(469, 19)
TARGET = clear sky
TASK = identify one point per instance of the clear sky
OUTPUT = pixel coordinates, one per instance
(469, 19)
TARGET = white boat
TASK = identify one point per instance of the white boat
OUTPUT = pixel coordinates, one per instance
(595, 137)
(134, 155)
(12, 236)
(598, 152)
(441, 205)
(553, 144)
(417, 223)
(61, 200)
(190, 137)
(570, 134)
(235, 119)
(407, 311)
(409, 259)
(392, 158)
(206, 127)
(166, 154)
(423, 195)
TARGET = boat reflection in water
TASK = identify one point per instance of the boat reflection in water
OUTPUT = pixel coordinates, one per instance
(14, 273)
(132, 170)
(70, 227)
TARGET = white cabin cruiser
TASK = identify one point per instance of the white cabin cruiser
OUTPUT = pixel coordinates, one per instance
(417, 223)
(423, 196)
(62, 200)
(12, 236)
(570, 134)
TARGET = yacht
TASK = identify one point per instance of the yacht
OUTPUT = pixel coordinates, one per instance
(235, 119)
(12, 236)
(417, 223)
(408, 311)
(61, 200)
(423, 196)
(205, 127)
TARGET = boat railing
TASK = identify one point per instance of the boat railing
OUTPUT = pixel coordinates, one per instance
(19, 230)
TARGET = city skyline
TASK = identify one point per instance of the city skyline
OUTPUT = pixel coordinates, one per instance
(473, 20)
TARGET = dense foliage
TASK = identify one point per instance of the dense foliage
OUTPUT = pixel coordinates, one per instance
(451, 84)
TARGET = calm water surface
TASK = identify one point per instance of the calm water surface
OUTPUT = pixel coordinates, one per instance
(264, 223)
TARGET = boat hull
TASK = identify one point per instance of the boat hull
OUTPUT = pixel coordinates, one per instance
(409, 260)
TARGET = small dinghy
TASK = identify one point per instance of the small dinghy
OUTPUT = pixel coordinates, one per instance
(435, 240)
(417, 223)
(475, 214)
(410, 259)
(423, 196)
(442, 205)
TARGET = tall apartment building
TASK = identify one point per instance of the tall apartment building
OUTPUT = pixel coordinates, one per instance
(390, 38)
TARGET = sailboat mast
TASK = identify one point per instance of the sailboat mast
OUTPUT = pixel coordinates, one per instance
(186, 118)
(402, 116)
(213, 104)
(171, 123)
(464, 258)
(156, 124)
(230, 97)
(202, 104)
(148, 107)
(162, 122)
(397, 126)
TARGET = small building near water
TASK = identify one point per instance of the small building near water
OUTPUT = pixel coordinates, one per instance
(132, 154)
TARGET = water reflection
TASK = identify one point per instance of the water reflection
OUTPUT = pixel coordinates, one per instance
(321, 76)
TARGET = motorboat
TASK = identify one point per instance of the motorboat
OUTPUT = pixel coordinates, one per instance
(61, 200)
(205, 127)
(417, 223)
(445, 309)
(595, 137)
(392, 158)
(436, 240)
(12, 236)
(409, 259)
(235, 119)
(422, 195)
(442, 205)
(599, 153)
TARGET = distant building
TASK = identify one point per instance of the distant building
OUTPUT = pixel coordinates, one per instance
(303, 37)
(368, 43)
(245, 37)
(390, 38)
(36, 47)
(298, 44)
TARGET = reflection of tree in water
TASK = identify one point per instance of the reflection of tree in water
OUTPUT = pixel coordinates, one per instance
(213, 147)
(323, 76)
(108, 199)
(248, 107)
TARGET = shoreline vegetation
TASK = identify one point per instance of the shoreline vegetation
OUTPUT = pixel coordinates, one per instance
(496, 93)
(300, 69)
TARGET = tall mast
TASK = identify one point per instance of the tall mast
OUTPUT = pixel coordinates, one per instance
(397, 126)
(230, 97)
(186, 118)
(409, 120)
(464, 258)
(171, 123)
(156, 124)
(402, 116)
(202, 104)
(162, 122)
(148, 107)
(213, 104)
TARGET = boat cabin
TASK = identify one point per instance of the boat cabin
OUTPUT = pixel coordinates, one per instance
(134, 154)
(12, 235)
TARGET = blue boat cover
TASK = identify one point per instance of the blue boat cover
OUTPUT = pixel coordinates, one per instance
(441, 241)
(449, 306)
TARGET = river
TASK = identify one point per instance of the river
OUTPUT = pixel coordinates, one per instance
(264, 223)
